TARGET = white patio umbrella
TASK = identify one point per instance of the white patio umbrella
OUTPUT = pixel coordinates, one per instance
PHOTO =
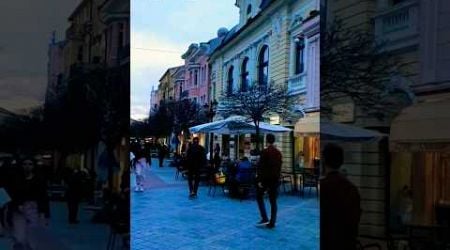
(237, 125)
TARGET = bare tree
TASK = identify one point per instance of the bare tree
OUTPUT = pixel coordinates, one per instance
(356, 65)
(176, 116)
(257, 104)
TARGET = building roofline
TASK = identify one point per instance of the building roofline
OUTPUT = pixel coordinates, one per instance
(77, 9)
(233, 36)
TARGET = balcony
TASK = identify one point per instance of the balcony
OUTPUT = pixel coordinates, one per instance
(398, 25)
(297, 84)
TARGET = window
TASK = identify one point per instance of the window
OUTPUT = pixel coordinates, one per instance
(230, 80)
(80, 54)
(59, 79)
(299, 55)
(181, 89)
(195, 77)
(397, 1)
(195, 100)
(244, 75)
(249, 11)
(121, 31)
(263, 66)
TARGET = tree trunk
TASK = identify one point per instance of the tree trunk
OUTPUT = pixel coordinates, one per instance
(257, 136)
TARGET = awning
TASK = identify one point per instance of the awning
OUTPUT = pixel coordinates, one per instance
(308, 125)
(312, 125)
(427, 122)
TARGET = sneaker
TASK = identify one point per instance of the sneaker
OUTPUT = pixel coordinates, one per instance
(262, 223)
(270, 225)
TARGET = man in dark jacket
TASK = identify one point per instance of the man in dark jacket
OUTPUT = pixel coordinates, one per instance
(269, 168)
(339, 204)
(195, 160)
(74, 193)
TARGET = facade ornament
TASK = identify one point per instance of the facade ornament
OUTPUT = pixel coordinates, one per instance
(277, 25)
(297, 21)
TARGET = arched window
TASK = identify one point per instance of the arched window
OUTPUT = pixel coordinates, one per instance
(263, 65)
(230, 80)
(245, 75)
(299, 55)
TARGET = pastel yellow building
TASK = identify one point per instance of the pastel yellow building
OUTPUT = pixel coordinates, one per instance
(366, 164)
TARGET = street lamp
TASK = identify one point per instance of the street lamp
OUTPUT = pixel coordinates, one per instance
(210, 111)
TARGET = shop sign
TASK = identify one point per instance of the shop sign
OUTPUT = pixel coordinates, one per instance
(344, 112)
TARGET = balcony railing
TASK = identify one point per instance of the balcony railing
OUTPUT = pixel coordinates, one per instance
(297, 84)
(398, 25)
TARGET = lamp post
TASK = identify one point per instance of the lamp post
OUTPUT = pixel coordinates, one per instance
(210, 111)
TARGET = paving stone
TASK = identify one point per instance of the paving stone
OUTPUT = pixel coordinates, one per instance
(164, 218)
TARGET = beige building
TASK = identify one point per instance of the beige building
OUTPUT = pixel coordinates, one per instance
(275, 42)
(419, 136)
(380, 179)
(97, 37)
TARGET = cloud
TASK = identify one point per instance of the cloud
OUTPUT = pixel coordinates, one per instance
(139, 112)
(22, 92)
(150, 50)
(166, 26)
(151, 55)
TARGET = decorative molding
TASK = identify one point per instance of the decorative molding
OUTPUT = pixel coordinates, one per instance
(296, 21)
(277, 26)
(254, 44)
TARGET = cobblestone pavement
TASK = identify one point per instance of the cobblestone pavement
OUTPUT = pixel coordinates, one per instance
(162, 217)
(83, 236)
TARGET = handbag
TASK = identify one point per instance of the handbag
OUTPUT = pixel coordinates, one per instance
(220, 177)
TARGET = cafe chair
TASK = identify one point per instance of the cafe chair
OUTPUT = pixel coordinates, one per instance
(286, 178)
(310, 181)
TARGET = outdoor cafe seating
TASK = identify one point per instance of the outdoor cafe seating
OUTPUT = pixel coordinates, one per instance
(308, 179)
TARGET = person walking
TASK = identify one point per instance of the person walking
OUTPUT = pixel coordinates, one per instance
(216, 157)
(28, 209)
(162, 154)
(196, 160)
(339, 203)
(74, 193)
(268, 175)
(140, 165)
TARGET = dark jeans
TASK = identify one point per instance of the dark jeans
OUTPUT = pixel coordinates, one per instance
(272, 189)
(193, 180)
(72, 205)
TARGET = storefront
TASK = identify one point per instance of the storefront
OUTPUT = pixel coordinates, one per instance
(420, 164)
(307, 140)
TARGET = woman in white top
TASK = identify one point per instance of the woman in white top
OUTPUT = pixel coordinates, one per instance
(140, 164)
